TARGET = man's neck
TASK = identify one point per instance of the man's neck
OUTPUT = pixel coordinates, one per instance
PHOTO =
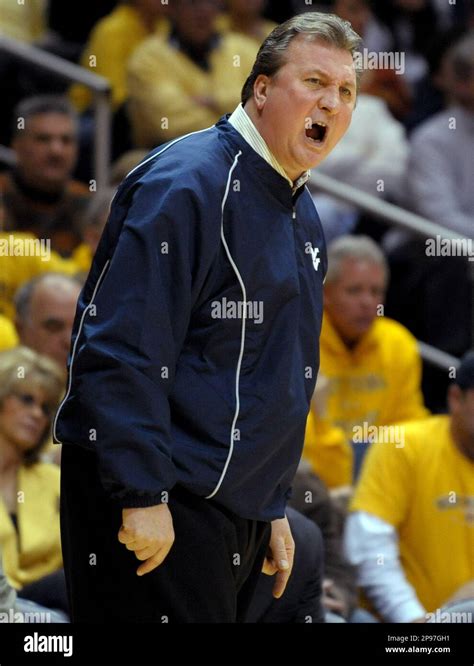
(463, 441)
(252, 113)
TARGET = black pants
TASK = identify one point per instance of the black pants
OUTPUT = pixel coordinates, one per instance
(209, 575)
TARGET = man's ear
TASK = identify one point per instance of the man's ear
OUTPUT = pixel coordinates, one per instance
(260, 90)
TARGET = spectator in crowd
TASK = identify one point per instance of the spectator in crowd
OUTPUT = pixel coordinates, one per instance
(431, 293)
(45, 309)
(410, 530)
(246, 17)
(112, 42)
(39, 194)
(311, 498)
(383, 82)
(16, 609)
(301, 602)
(28, 258)
(30, 388)
(186, 81)
(91, 227)
(8, 334)
(371, 156)
(370, 364)
(439, 175)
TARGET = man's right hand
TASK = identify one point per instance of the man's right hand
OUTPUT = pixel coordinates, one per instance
(149, 533)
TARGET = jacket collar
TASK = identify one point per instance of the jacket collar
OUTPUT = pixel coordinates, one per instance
(281, 187)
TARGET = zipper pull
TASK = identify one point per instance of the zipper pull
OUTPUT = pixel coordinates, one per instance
(294, 213)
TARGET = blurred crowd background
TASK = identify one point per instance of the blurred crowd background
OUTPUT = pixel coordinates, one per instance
(177, 67)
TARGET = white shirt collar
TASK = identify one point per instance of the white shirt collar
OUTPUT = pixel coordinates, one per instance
(244, 125)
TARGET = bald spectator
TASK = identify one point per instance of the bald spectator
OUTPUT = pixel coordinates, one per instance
(112, 42)
(370, 370)
(246, 17)
(188, 80)
(39, 194)
(45, 313)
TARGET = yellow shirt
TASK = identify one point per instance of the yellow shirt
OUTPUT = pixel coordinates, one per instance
(425, 489)
(377, 382)
(225, 24)
(8, 334)
(111, 43)
(16, 267)
(163, 84)
(82, 257)
(38, 551)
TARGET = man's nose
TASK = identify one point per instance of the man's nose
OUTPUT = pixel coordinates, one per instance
(329, 100)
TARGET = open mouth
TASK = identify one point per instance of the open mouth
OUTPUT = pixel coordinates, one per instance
(317, 132)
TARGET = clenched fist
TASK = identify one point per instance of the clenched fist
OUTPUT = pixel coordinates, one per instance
(149, 533)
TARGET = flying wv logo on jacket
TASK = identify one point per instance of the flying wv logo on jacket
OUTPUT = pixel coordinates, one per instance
(314, 252)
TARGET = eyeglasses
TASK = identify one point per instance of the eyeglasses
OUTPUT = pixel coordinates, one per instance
(29, 400)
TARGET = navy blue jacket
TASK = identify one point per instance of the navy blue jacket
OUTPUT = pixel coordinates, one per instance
(171, 378)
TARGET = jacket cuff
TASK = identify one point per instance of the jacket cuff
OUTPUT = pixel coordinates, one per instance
(140, 502)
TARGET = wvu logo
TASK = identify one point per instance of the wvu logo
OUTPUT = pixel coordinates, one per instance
(314, 252)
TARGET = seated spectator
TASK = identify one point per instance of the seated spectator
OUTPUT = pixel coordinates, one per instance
(372, 157)
(311, 498)
(410, 530)
(301, 602)
(112, 42)
(29, 489)
(384, 82)
(246, 17)
(370, 364)
(8, 334)
(439, 174)
(39, 195)
(14, 609)
(186, 81)
(45, 310)
(30, 257)
(430, 294)
(91, 227)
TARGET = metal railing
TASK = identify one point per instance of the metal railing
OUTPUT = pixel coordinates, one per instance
(402, 219)
(99, 86)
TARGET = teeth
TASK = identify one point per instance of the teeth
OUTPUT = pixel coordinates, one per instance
(321, 124)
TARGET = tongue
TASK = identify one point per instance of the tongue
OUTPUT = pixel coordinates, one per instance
(313, 133)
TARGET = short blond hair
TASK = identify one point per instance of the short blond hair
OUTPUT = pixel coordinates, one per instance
(21, 367)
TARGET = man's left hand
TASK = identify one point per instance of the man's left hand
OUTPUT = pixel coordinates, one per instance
(280, 555)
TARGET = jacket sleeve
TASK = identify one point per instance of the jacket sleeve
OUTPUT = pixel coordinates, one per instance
(132, 335)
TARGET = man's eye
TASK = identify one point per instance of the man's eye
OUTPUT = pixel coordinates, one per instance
(316, 81)
(347, 92)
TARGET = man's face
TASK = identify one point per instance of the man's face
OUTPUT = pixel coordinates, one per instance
(48, 326)
(351, 300)
(461, 408)
(47, 150)
(195, 19)
(317, 84)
